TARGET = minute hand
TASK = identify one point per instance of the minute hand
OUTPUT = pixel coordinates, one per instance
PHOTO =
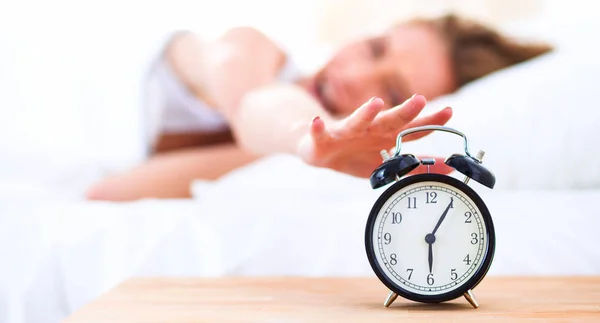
(442, 218)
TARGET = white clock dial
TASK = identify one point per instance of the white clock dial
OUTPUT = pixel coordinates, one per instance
(456, 240)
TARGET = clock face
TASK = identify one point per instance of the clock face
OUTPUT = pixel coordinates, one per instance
(430, 238)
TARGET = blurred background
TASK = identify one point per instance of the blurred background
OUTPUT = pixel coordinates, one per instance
(70, 71)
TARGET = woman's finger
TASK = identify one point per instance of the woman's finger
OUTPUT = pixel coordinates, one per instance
(362, 117)
(317, 129)
(399, 116)
(439, 118)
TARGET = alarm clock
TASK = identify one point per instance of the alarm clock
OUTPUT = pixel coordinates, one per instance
(430, 237)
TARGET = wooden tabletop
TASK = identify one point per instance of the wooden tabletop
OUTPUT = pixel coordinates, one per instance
(510, 299)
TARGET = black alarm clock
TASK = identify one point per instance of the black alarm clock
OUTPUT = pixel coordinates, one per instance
(430, 237)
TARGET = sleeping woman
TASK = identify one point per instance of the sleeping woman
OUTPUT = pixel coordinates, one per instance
(238, 98)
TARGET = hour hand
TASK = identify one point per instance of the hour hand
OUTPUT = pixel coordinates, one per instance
(442, 217)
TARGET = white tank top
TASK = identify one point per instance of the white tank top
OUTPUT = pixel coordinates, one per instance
(169, 107)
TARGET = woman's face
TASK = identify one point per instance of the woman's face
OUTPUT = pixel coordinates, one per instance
(407, 59)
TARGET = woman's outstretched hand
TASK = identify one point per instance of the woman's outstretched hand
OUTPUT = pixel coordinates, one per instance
(352, 145)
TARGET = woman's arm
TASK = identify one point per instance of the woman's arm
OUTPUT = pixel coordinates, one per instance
(239, 73)
(218, 74)
(302, 127)
(221, 72)
(169, 175)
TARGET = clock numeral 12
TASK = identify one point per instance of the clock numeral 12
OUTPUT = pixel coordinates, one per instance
(433, 196)
(413, 204)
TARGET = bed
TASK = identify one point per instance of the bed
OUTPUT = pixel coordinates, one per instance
(538, 122)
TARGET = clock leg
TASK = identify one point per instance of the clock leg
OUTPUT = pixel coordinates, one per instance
(471, 298)
(390, 299)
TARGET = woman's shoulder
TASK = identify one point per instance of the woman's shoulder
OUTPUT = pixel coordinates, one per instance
(268, 44)
(252, 38)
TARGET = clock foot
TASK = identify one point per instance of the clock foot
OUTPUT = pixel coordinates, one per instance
(390, 299)
(471, 298)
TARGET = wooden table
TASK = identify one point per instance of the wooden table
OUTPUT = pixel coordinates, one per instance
(340, 300)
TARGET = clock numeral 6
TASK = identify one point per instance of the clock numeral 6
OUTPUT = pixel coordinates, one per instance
(453, 274)
(387, 238)
(430, 280)
(393, 259)
(396, 217)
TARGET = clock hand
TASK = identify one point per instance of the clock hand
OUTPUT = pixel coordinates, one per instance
(442, 218)
(430, 257)
(430, 239)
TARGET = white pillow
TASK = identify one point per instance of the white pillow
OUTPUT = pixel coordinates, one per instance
(539, 121)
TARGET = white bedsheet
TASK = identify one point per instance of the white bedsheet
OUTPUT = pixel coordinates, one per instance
(270, 218)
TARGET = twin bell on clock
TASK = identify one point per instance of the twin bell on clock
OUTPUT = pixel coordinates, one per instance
(430, 237)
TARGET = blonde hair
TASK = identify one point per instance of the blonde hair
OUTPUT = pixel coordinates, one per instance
(477, 50)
